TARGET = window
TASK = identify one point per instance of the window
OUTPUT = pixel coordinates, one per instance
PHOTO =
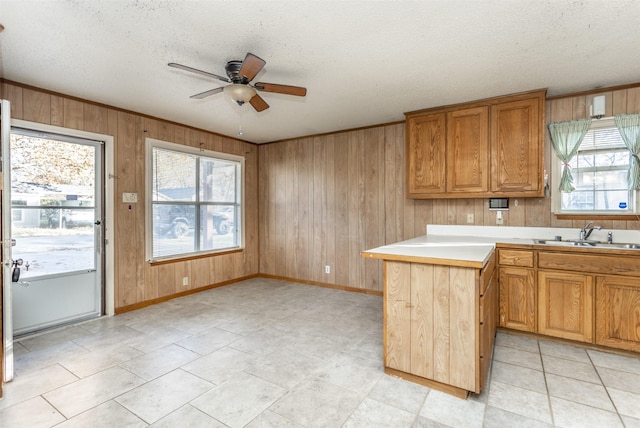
(195, 201)
(599, 174)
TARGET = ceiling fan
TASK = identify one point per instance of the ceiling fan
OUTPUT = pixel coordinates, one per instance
(240, 74)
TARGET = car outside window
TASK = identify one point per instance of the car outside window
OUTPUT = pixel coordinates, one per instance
(195, 201)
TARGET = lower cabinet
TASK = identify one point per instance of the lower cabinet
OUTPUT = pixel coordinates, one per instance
(565, 305)
(439, 323)
(618, 312)
(518, 298)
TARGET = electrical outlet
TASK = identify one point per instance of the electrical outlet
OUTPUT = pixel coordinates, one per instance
(185, 280)
(470, 218)
(499, 219)
(327, 269)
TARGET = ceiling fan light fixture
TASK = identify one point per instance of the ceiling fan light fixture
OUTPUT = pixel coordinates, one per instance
(240, 93)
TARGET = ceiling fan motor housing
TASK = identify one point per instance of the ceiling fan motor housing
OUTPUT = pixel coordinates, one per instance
(233, 71)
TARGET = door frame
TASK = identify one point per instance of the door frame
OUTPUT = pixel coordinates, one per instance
(108, 230)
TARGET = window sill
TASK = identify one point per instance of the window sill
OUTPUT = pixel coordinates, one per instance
(597, 216)
(194, 257)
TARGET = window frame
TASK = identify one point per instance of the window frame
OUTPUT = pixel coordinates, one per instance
(152, 143)
(556, 194)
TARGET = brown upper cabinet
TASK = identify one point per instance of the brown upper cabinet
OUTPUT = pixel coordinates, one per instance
(486, 148)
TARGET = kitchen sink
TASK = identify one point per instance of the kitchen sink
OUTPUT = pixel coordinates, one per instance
(587, 243)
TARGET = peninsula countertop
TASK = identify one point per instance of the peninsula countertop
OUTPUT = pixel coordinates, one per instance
(471, 246)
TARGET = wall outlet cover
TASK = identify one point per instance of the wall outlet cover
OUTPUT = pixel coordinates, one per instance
(129, 198)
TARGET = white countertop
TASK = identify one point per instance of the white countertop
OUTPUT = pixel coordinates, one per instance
(473, 245)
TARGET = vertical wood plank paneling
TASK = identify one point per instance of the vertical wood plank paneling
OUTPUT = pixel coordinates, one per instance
(441, 326)
(329, 229)
(37, 106)
(304, 176)
(342, 206)
(57, 110)
(282, 223)
(319, 204)
(96, 119)
(126, 268)
(14, 95)
(422, 327)
(393, 206)
(73, 114)
(463, 304)
(354, 209)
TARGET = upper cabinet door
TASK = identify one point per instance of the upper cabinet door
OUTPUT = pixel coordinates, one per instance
(516, 152)
(468, 150)
(426, 154)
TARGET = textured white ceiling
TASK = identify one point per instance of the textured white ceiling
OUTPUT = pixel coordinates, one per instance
(363, 62)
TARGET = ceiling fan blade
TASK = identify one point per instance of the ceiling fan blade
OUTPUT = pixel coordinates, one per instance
(258, 103)
(195, 70)
(207, 93)
(251, 66)
(281, 89)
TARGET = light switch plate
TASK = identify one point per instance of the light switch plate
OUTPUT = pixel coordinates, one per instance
(130, 198)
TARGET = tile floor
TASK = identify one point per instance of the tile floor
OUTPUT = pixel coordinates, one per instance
(265, 353)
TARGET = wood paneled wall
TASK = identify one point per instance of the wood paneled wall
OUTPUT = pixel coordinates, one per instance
(325, 199)
(136, 281)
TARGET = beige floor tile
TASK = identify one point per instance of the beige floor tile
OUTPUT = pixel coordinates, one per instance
(399, 393)
(107, 338)
(615, 361)
(35, 383)
(568, 414)
(569, 368)
(157, 339)
(33, 413)
(161, 361)
(625, 381)
(89, 363)
(208, 341)
(626, 403)
(517, 357)
(221, 365)
(188, 416)
(498, 418)
(91, 391)
(524, 402)
(106, 415)
(566, 352)
(317, 403)
(523, 343)
(630, 422)
(239, 400)
(286, 368)
(26, 363)
(156, 399)
(452, 411)
(371, 414)
(268, 419)
(351, 372)
(579, 391)
(55, 337)
(519, 376)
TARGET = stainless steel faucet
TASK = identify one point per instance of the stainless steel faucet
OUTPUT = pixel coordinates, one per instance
(586, 230)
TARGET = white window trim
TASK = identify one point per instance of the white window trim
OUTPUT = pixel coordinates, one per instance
(150, 144)
(556, 172)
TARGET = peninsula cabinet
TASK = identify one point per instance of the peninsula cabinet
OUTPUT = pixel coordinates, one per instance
(486, 148)
(439, 324)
